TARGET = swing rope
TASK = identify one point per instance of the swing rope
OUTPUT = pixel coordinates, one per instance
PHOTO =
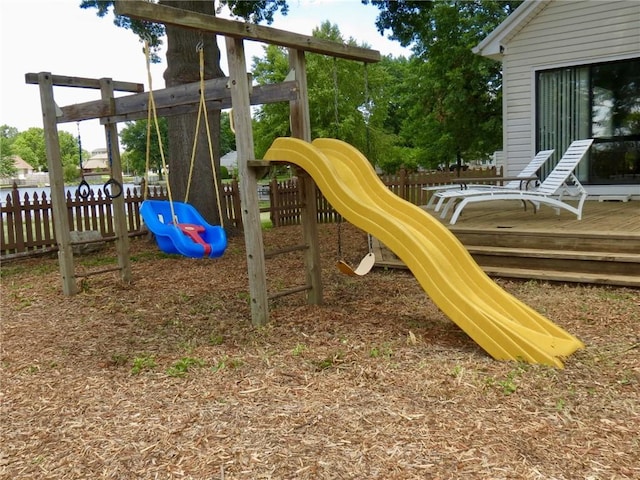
(369, 260)
(147, 145)
(202, 110)
(335, 98)
(367, 103)
(336, 127)
(153, 112)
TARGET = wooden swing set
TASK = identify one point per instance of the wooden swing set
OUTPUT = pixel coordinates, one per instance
(234, 92)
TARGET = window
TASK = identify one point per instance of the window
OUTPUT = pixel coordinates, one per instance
(600, 101)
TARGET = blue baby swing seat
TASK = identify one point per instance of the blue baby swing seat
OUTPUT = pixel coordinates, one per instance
(188, 234)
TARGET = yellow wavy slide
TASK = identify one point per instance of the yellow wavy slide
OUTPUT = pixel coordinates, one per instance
(502, 325)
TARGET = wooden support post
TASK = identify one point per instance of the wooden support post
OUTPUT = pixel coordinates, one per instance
(301, 128)
(239, 87)
(56, 179)
(120, 214)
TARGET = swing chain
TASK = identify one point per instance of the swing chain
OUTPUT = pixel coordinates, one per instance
(84, 190)
(335, 97)
(112, 188)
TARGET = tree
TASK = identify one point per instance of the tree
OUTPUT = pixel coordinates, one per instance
(134, 139)
(182, 68)
(7, 164)
(346, 100)
(454, 112)
(29, 145)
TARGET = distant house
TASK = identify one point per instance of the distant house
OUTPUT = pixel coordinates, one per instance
(97, 163)
(571, 70)
(22, 167)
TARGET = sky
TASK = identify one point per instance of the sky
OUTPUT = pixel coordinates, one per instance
(58, 36)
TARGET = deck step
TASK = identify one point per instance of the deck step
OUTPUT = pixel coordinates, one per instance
(571, 277)
(612, 242)
(579, 262)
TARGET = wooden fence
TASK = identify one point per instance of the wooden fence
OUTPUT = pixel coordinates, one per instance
(26, 223)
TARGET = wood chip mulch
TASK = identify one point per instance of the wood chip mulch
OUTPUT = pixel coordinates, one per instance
(167, 378)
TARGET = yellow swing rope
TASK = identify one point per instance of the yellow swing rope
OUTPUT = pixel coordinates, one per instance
(202, 108)
(152, 110)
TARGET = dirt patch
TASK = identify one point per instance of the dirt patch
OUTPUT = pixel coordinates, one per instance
(166, 378)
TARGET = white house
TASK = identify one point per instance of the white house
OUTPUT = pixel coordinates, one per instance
(98, 162)
(571, 70)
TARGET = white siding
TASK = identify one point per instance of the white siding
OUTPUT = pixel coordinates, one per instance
(565, 33)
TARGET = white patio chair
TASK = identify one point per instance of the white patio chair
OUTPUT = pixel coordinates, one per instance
(556, 184)
(516, 183)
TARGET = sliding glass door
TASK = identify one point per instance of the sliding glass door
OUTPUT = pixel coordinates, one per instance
(600, 101)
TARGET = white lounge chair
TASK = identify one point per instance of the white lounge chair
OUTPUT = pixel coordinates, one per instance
(516, 183)
(554, 185)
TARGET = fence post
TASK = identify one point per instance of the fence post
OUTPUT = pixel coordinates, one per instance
(274, 201)
(18, 228)
(403, 183)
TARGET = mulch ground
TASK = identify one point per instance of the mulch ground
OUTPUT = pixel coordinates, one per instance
(166, 378)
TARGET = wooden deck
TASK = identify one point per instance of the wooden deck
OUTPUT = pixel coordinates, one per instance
(619, 217)
(505, 240)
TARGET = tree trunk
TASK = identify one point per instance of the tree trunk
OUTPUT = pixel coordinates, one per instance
(183, 67)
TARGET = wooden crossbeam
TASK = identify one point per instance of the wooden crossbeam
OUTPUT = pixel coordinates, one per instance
(291, 291)
(82, 82)
(241, 30)
(173, 101)
(282, 251)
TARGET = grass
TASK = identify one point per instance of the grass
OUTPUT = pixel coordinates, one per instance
(142, 364)
(182, 366)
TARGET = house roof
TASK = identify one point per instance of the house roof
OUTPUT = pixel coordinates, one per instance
(20, 164)
(95, 164)
(230, 159)
(494, 44)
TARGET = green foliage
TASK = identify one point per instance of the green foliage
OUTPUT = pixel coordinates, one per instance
(69, 150)
(346, 100)
(509, 384)
(30, 146)
(383, 351)
(182, 366)
(226, 362)
(298, 350)
(227, 137)
(400, 157)
(70, 173)
(143, 363)
(7, 137)
(134, 138)
(451, 99)
(330, 361)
